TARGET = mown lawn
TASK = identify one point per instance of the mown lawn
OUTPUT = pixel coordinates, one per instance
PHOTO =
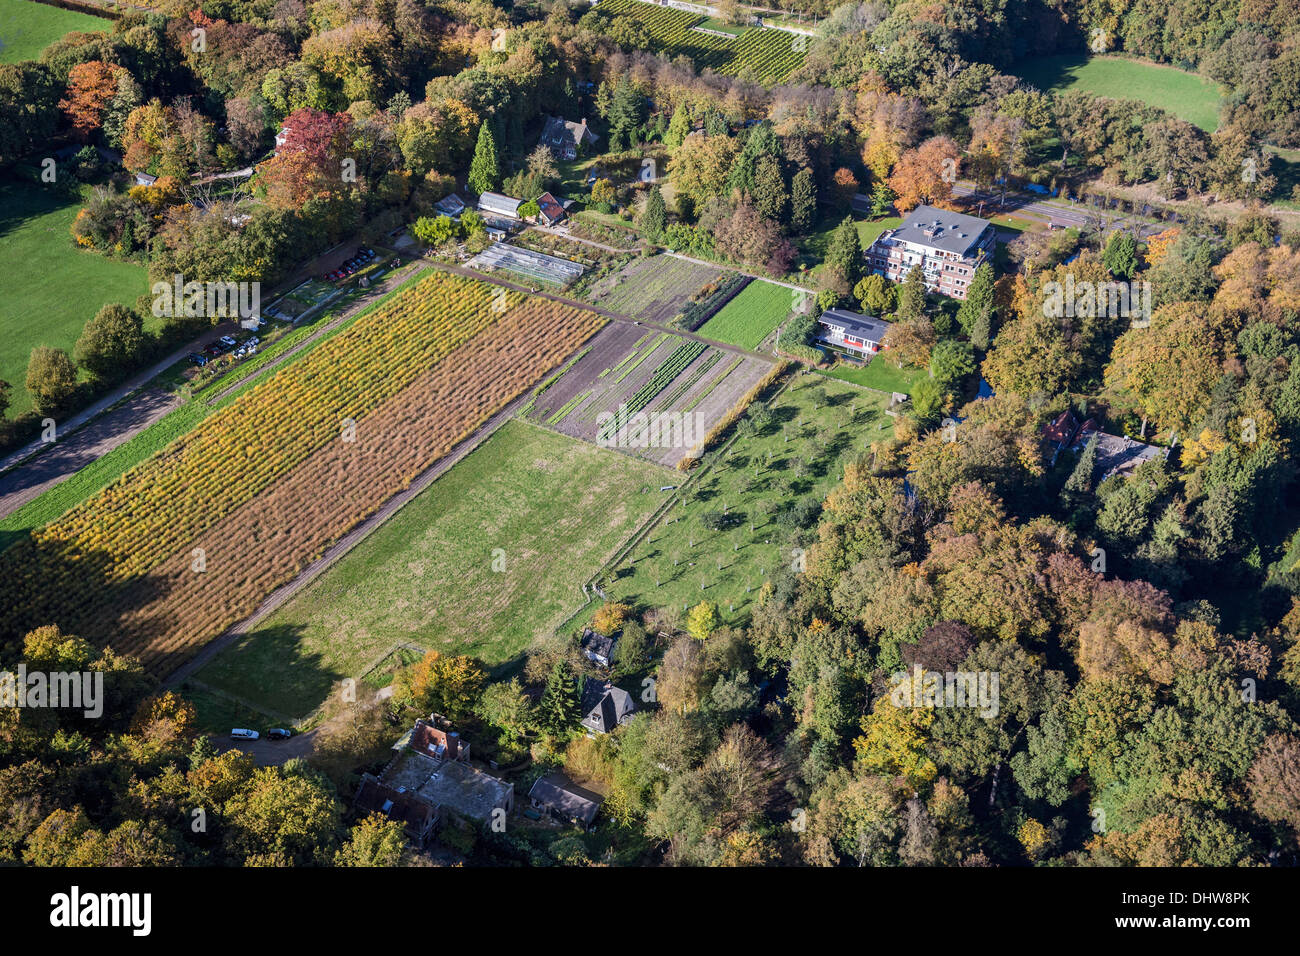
(1186, 95)
(751, 316)
(818, 426)
(49, 288)
(877, 374)
(553, 506)
(27, 28)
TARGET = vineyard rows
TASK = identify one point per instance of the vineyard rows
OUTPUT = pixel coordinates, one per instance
(231, 544)
(772, 55)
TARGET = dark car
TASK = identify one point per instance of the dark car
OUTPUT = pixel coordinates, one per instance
(197, 359)
(278, 733)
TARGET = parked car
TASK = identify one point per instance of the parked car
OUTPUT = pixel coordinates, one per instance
(228, 341)
(278, 733)
(239, 733)
(197, 359)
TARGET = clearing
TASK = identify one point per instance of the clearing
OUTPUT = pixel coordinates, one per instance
(1187, 95)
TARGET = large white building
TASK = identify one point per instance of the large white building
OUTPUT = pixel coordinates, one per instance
(948, 246)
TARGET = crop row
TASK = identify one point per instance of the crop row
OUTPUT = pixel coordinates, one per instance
(238, 452)
(683, 356)
(165, 615)
(772, 55)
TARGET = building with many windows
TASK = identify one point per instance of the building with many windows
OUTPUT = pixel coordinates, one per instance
(948, 246)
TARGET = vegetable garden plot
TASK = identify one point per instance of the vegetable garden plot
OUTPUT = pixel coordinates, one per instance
(663, 377)
(526, 262)
(653, 289)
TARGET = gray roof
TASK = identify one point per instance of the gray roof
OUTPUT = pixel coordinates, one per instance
(940, 229)
(500, 204)
(560, 793)
(605, 706)
(450, 784)
(865, 327)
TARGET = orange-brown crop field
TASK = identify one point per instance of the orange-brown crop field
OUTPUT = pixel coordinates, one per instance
(194, 539)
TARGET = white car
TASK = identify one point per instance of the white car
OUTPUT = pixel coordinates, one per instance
(228, 341)
(240, 734)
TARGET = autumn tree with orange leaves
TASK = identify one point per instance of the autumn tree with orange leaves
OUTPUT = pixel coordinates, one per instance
(91, 86)
(925, 174)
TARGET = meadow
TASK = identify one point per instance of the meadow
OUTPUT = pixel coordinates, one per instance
(877, 374)
(431, 575)
(27, 28)
(59, 287)
(1187, 95)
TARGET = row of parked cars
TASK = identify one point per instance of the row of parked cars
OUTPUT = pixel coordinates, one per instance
(362, 259)
(276, 733)
(224, 345)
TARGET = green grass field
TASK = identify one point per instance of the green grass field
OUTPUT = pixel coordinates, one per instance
(750, 317)
(1186, 95)
(813, 247)
(27, 28)
(556, 507)
(818, 426)
(50, 289)
(877, 374)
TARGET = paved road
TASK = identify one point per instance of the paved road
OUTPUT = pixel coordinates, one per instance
(95, 440)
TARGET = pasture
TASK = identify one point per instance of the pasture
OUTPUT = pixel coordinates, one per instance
(27, 28)
(749, 318)
(1186, 95)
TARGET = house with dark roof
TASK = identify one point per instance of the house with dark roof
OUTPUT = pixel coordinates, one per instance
(851, 332)
(551, 211)
(597, 648)
(564, 800)
(417, 815)
(948, 246)
(605, 707)
(565, 139)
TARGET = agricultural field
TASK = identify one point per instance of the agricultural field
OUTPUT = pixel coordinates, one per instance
(749, 318)
(652, 288)
(629, 371)
(769, 55)
(1188, 96)
(34, 310)
(733, 523)
(202, 532)
(27, 28)
(556, 508)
